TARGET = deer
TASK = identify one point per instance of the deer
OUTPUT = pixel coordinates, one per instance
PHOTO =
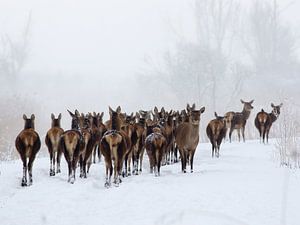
(89, 139)
(239, 119)
(71, 144)
(97, 129)
(28, 144)
(113, 146)
(216, 131)
(155, 144)
(138, 148)
(52, 142)
(129, 128)
(187, 137)
(263, 121)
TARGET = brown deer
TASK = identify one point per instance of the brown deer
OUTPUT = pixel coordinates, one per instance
(155, 144)
(138, 148)
(89, 139)
(216, 131)
(97, 129)
(263, 121)
(52, 141)
(187, 137)
(71, 144)
(28, 144)
(129, 128)
(114, 145)
(239, 120)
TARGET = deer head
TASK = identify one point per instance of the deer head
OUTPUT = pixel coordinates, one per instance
(29, 122)
(55, 122)
(276, 109)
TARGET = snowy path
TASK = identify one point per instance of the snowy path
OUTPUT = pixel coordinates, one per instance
(244, 187)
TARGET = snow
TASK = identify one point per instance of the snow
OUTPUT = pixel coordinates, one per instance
(245, 186)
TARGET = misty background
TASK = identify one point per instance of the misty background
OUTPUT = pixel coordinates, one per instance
(88, 55)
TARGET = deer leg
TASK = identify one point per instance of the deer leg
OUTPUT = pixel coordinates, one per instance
(51, 165)
(243, 133)
(81, 166)
(109, 171)
(183, 160)
(141, 159)
(129, 163)
(58, 158)
(24, 178)
(230, 133)
(94, 154)
(30, 163)
(192, 160)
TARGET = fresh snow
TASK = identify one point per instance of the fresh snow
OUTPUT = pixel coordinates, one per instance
(245, 186)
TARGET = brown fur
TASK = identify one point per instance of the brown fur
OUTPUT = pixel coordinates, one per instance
(138, 148)
(52, 141)
(28, 144)
(263, 121)
(71, 143)
(239, 119)
(216, 131)
(155, 144)
(129, 128)
(114, 145)
(187, 138)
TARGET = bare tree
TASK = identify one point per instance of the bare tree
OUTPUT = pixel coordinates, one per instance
(14, 53)
(270, 44)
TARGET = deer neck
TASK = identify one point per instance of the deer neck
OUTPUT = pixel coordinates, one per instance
(246, 114)
(115, 123)
(273, 116)
(29, 125)
(194, 129)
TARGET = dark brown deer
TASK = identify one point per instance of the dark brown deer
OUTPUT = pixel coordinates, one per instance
(85, 125)
(52, 142)
(263, 121)
(139, 148)
(187, 138)
(114, 145)
(97, 129)
(71, 144)
(239, 120)
(216, 131)
(129, 128)
(155, 144)
(28, 144)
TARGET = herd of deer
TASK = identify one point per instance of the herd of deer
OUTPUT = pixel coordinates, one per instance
(124, 138)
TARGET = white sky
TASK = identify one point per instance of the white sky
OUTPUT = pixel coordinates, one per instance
(105, 38)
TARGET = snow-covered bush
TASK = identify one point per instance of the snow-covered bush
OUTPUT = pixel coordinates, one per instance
(287, 137)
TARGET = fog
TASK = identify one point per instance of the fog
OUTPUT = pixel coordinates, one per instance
(87, 55)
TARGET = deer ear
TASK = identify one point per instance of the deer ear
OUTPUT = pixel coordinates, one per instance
(242, 101)
(188, 107)
(110, 110)
(251, 102)
(155, 110)
(71, 114)
(216, 115)
(272, 105)
(24, 117)
(163, 110)
(118, 109)
(281, 104)
(77, 113)
(137, 115)
(202, 110)
(52, 116)
(131, 115)
(194, 106)
(32, 117)
(59, 116)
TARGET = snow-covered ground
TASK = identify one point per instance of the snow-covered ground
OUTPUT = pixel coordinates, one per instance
(245, 186)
